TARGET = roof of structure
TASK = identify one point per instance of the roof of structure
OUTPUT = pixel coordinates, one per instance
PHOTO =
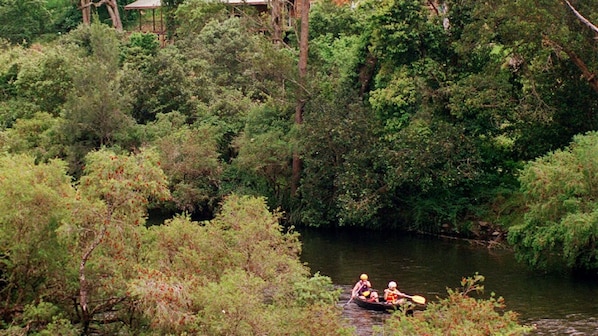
(150, 4)
(144, 4)
(245, 2)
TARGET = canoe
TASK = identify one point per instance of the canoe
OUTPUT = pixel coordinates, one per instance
(388, 307)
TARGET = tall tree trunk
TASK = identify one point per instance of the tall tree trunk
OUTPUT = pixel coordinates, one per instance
(112, 7)
(85, 6)
(86, 314)
(84, 285)
(301, 95)
(276, 21)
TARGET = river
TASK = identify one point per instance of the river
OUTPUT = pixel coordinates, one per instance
(558, 304)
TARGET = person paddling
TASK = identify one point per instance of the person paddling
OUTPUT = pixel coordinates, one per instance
(392, 294)
(363, 289)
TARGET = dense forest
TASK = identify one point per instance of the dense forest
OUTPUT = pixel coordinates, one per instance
(475, 119)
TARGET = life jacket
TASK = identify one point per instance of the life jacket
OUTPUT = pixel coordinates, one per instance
(364, 288)
(392, 296)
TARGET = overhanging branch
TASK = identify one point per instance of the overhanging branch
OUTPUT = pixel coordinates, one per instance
(581, 18)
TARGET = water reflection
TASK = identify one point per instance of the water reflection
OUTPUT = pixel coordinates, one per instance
(557, 304)
(363, 320)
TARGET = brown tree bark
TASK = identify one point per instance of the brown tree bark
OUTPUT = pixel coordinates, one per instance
(112, 7)
(85, 6)
(582, 18)
(301, 95)
(276, 21)
(86, 316)
(581, 65)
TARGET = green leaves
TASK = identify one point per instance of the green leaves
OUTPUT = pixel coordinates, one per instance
(189, 158)
(395, 100)
(21, 21)
(560, 227)
(34, 200)
(240, 267)
(459, 314)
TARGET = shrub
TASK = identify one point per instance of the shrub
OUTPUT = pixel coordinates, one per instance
(458, 314)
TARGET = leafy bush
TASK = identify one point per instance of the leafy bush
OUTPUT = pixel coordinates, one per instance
(458, 314)
(238, 274)
(23, 20)
(560, 228)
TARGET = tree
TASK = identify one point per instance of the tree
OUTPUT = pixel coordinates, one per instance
(190, 160)
(21, 21)
(97, 111)
(560, 227)
(34, 200)
(167, 86)
(110, 205)
(46, 78)
(38, 136)
(542, 44)
(262, 162)
(238, 274)
(301, 94)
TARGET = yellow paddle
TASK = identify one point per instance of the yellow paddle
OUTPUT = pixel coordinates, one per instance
(417, 299)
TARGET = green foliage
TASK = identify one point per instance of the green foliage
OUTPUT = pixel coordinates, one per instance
(238, 274)
(264, 150)
(170, 7)
(46, 80)
(458, 314)
(337, 59)
(7, 79)
(96, 112)
(431, 168)
(21, 21)
(190, 160)
(560, 228)
(167, 86)
(33, 202)
(14, 109)
(329, 18)
(340, 182)
(225, 46)
(396, 100)
(317, 289)
(193, 15)
(414, 114)
(38, 136)
(12, 106)
(401, 31)
(143, 44)
(104, 233)
(46, 319)
(65, 15)
(539, 45)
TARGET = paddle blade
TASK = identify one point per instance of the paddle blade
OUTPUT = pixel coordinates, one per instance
(419, 299)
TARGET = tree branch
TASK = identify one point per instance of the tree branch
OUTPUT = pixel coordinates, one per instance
(433, 7)
(107, 305)
(581, 18)
(581, 65)
(91, 3)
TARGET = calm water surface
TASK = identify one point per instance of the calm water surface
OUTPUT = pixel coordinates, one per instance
(556, 304)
